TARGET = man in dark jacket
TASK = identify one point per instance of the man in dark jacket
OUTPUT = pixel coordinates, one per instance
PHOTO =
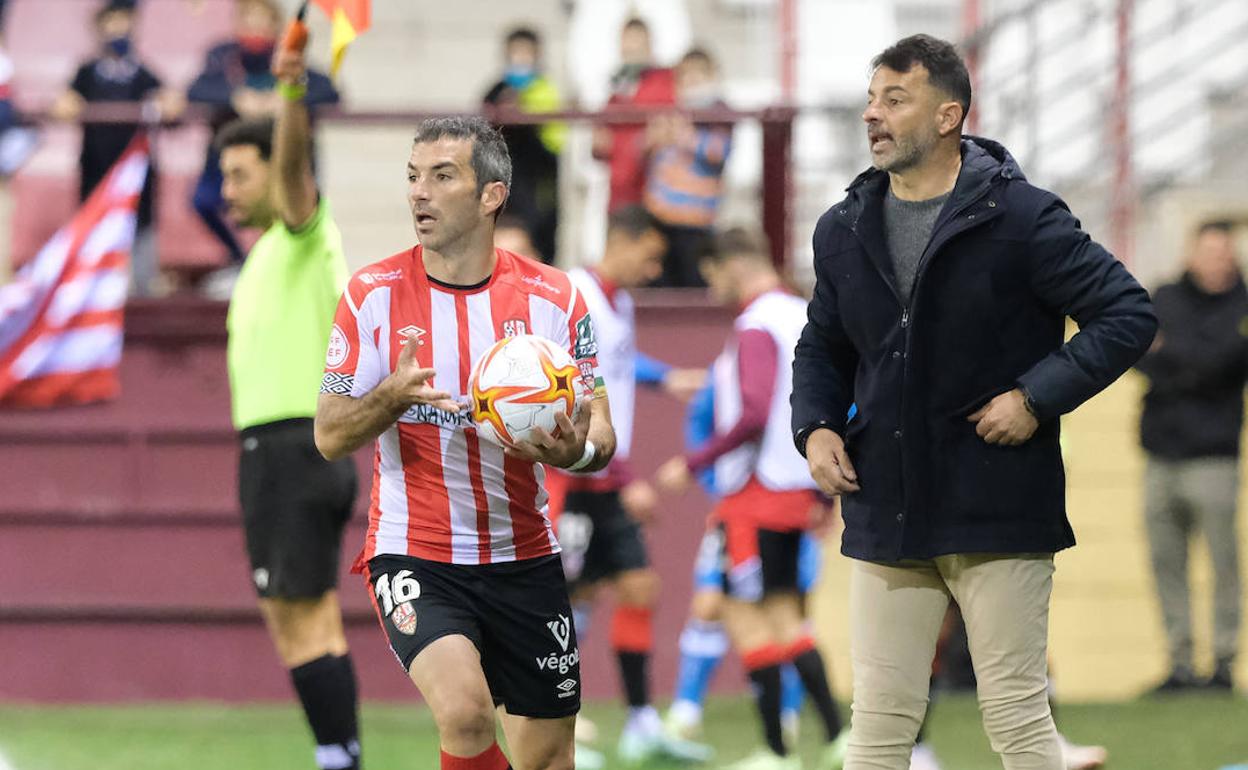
(1190, 427)
(943, 283)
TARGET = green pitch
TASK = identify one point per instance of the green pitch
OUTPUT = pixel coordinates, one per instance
(1187, 733)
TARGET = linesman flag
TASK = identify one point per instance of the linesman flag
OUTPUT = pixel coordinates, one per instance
(349, 18)
(61, 317)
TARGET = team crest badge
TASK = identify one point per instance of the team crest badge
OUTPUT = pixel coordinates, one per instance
(404, 618)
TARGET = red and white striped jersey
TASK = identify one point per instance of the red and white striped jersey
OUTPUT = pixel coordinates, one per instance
(440, 492)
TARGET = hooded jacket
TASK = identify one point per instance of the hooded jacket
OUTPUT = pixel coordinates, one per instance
(1195, 402)
(1006, 264)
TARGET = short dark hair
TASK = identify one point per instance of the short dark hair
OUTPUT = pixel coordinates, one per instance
(1223, 226)
(111, 7)
(241, 132)
(636, 22)
(945, 68)
(490, 160)
(634, 221)
(523, 35)
(740, 241)
(699, 54)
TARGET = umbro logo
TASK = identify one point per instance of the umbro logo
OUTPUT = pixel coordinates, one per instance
(561, 629)
(412, 331)
(567, 685)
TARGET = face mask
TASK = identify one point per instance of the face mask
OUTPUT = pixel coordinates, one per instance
(519, 77)
(699, 96)
(119, 46)
(257, 52)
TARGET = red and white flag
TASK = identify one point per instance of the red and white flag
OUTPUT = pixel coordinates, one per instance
(61, 317)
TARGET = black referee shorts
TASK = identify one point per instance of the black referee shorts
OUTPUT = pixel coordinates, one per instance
(295, 504)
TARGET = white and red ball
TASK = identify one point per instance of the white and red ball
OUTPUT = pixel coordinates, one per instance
(521, 383)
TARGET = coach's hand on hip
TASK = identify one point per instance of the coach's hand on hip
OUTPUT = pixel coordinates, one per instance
(829, 463)
(1005, 420)
(563, 449)
(409, 382)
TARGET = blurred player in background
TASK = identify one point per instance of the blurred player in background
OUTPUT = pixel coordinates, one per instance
(601, 516)
(294, 503)
(703, 642)
(769, 499)
(461, 558)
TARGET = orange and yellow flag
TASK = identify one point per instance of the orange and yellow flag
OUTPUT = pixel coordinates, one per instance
(349, 19)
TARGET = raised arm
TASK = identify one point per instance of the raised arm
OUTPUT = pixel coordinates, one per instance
(292, 142)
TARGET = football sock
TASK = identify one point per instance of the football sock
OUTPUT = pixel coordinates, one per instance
(492, 758)
(702, 647)
(809, 665)
(635, 676)
(326, 688)
(631, 637)
(791, 691)
(763, 665)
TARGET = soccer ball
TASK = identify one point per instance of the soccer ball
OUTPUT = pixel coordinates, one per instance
(521, 383)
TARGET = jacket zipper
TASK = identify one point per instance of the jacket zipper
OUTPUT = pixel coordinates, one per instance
(907, 310)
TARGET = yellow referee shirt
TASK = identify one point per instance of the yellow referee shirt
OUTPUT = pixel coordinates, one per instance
(280, 314)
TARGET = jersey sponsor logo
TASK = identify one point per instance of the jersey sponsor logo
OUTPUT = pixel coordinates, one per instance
(337, 383)
(561, 629)
(371, 278)
(412, 331)
(541, 283)
(424, 413)
(339, 348)
(561, 663)
(586, 345)
(404, 618)
(514, 327)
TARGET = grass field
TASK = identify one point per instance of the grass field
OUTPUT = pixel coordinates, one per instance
(1188, 733)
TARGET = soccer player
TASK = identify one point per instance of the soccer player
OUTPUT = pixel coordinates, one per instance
(294, 503)
(768, 498)
(461, 559)
(602, 514)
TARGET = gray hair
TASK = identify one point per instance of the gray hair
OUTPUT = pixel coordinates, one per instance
(490, 160)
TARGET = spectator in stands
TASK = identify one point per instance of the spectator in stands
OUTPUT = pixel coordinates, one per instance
(237, 82)
(534, 148)
(637, 83)
(686, 166)
(117, 75)
(1190, 427)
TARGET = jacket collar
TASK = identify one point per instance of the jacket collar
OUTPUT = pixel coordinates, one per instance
(983, 163)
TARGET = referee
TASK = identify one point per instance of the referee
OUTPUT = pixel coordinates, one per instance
(294, 502)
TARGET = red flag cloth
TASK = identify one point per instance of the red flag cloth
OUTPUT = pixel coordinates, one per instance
(61, 317)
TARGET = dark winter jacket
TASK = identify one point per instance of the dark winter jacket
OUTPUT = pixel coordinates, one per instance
(1195, 401)
(1005, 266)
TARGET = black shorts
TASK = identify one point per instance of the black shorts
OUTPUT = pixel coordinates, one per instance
(758, 561)
(517, 614)
(598, 537)
(295, 505)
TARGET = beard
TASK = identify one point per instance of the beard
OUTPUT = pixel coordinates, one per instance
(907, 153)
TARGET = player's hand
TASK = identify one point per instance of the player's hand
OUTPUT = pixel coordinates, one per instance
(683, 384)
(564, 447)
(290, 67)
(1005, 420)
(639, 500)
(410, 381)
(674, 476)
(829, 463)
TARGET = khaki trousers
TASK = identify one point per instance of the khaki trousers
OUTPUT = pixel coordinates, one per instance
(895, 616)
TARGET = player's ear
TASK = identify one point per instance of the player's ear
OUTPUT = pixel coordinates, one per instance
(493, 195)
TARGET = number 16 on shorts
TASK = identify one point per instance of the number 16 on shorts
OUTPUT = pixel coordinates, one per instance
(395, 596)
